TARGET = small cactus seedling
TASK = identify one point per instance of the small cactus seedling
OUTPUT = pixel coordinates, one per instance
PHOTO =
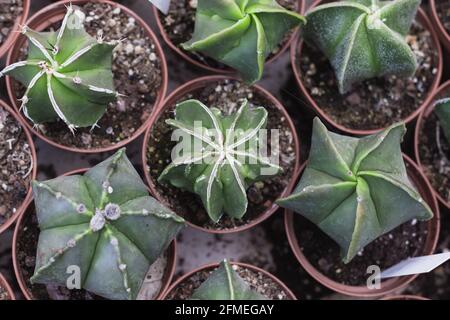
(364, 39)
(225, 284)
(241, 33)
(442, 110)
(225, 157)
(67, 74)
(356, 189)
(104, 223)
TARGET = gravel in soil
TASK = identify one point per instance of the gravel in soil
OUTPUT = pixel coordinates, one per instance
(4, 294)
(374, 103)
(16, 165)
(256, 280)
(434, 152)
(10, 10)
(179, 26)
(137, 75)
(443, 11)
(227, 96)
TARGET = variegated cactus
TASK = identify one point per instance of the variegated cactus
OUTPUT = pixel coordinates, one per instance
(67, 74)
(356, 189)
(241, 33)
(221, 156)
(225, 284)
(442, 110)
(104, 223)
(363, 39)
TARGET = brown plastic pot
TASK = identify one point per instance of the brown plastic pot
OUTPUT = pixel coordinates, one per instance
(405, 297)
(167, 278)
(54, 13)
(420, 122)
(201, 65)
(183, 91)
(420, 181)
(5, 285)
(211, 267)
(14, 34)
(437, 23)
(14, 217)
(296, 54)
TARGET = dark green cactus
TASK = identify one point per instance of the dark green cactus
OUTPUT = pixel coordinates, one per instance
(356, 189)
(105, 223)
(241, 33)
(67, 74)
(224, 159)
(364, 39)
(442, 110)
(225, 284)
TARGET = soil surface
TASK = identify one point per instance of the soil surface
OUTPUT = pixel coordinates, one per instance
(179, 26)
(4, 294)
(16, 165)
(374, 103)
(137, 75)
(227, 96)
(256, 280)
(434, 152)
(10, 10)
(443, 11)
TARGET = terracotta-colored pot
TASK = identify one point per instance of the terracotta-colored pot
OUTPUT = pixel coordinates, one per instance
(195, 85)
(295, 54)
(420, 122)
(54, 13)
(5, 285)
(437, 23)
(213, 266)
(14, 34)
(14, 217)
(405, 297)
(420, 181)
(227, 70)
(167, 278)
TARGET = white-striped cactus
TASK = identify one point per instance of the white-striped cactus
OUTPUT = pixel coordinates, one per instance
(67, 74)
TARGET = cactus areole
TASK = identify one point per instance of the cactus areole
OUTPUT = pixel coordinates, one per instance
(67, 74)
(356, 189)
(103, 223)
(363, 39)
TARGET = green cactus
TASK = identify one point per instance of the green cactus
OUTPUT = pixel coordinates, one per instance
(442, 110)
(105, 223)
(356, 189)
(241, 33)
(67, 74)
(364, 39)
(224, 157)
(225, 284)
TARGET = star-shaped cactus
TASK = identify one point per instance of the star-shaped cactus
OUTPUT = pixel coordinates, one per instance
(442, 110)
(364, 39)
(104, 223)
(225, 284)
(220, 156)
(67, 74)
(241, 33)
(356, 189)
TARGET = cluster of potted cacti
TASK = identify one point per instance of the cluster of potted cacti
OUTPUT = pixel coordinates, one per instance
(221, 154)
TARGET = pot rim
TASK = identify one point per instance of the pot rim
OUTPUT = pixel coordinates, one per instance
(389, 285)
(168, 274)
(33, 174)
(420, 121)
(227, 70)
(443, 33)
(47, 16)
(186, 276)
(193, 85)
(297, 43)
(404, 297)
(5, 285)
(13, 35)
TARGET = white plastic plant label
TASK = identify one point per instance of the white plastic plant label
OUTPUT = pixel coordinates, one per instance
(416, 265)
(162, 5)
